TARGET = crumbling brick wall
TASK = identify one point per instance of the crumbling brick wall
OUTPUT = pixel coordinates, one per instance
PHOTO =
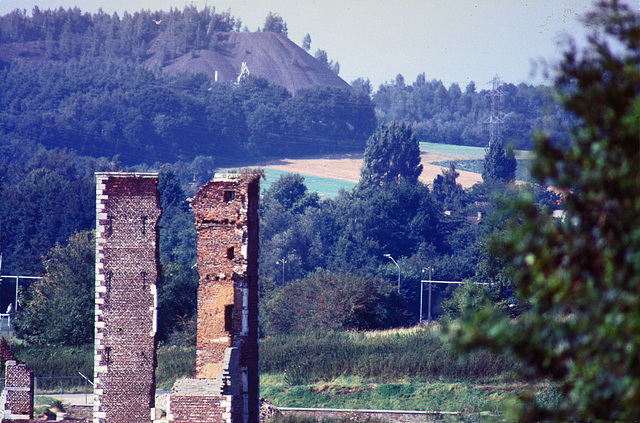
(127, 267)
(226, 215)
(17, 396)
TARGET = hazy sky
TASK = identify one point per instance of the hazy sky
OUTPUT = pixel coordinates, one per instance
(451, 40)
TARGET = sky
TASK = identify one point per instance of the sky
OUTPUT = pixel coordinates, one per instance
(449, 40)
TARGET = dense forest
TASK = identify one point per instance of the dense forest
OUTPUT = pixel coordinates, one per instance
(66, 34)
(107, 107)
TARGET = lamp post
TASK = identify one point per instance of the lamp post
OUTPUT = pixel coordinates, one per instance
(282, 261)
(394, 262)
(430, 268)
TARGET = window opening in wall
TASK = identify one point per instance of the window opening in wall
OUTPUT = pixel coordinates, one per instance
(144, 225)
(229, 195)
(143, 276)
(230, 253)
(228, 318)
(108, 278)
(108, 230)
(106, 357)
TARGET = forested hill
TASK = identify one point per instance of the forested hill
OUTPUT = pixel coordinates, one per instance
(94, 83)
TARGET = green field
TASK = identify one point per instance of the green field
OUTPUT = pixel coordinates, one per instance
(463, 152)
(462, 397)
(325, 187)
(458, 152)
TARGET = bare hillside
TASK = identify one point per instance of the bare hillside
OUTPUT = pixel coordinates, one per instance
(268, 55)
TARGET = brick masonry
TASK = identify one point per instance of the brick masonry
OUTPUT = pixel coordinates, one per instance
(226, 217)
(127, 268)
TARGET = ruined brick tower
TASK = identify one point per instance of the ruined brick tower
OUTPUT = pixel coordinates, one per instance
(227, 381)
(127, 267)
(16, 401)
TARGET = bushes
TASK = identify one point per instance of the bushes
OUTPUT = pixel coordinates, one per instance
(174, 362)
(327, 301)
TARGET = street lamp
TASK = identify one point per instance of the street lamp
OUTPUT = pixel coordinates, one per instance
(282, 261)
(430, 268)
(394, 262)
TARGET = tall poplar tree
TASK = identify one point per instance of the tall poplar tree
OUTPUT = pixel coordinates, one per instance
(392, 155)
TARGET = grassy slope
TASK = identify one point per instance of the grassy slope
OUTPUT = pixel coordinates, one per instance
(407, 369)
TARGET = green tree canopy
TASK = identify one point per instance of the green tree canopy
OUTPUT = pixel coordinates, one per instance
(274, 23)
(499, 164)
(327, 301)
(291, 192)
(579, 275)
(306, 42)
(59, 307)
(448, 193)
(392, 155)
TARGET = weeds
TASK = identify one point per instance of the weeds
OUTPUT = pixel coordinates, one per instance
(174, 362)
(55, 361)
(309, 419)
(419, 354)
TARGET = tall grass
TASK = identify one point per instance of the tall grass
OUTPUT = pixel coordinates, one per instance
(311, 419)
(174, 362)
(419, 355)
(426, 396)
(54, 361)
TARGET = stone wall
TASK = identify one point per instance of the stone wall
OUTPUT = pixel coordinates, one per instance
(127, 267)
(226, 217)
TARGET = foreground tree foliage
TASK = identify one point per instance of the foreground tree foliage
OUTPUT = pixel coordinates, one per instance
(579, 275)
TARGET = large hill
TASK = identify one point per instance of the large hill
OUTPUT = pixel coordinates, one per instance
(268, 55)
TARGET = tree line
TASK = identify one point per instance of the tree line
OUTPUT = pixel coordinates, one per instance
(63, 34)
(329, 248)
(453, 116)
